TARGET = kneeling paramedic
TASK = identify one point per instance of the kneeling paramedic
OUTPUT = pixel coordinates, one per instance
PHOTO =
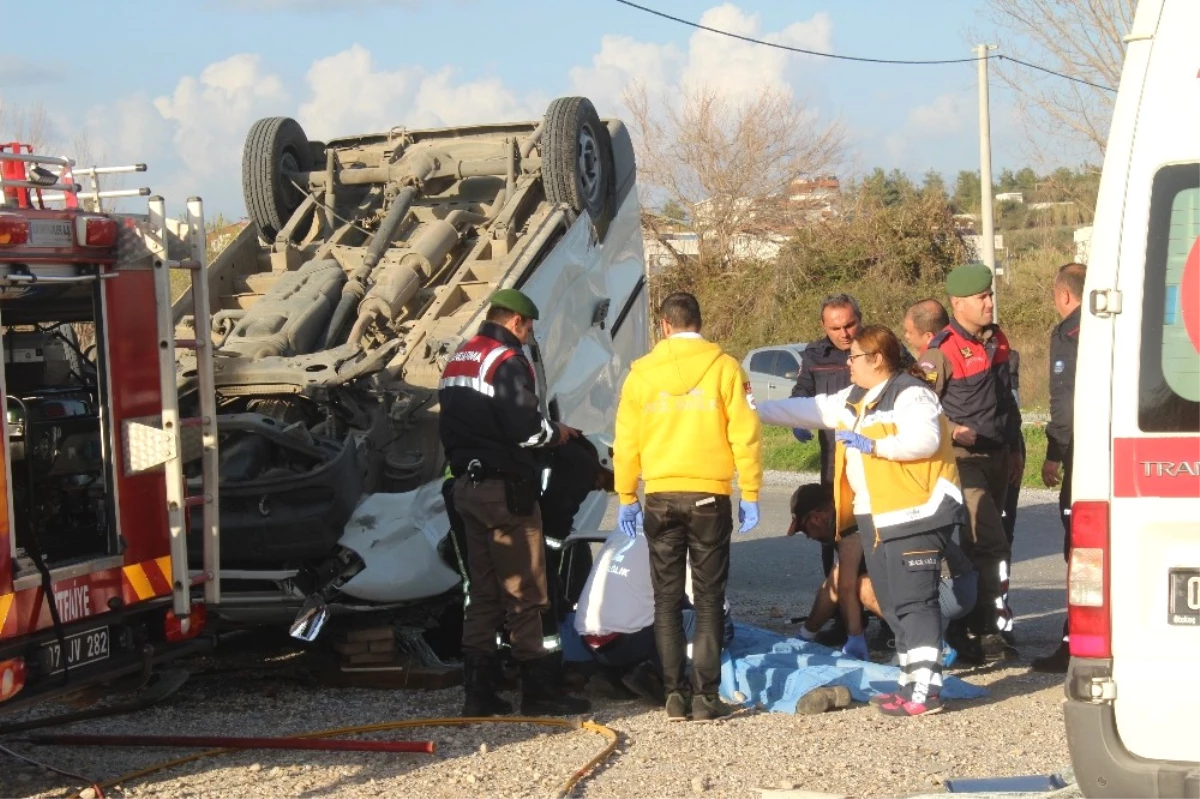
(490, 426)
(896, 477)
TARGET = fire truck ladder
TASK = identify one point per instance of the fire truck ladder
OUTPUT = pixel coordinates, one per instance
(179, 503)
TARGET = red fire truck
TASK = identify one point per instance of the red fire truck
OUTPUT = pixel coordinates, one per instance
(95, 582)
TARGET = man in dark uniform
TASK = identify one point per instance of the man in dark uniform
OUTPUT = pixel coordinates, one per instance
(490, 426)
(968, 363)
(1064, 350)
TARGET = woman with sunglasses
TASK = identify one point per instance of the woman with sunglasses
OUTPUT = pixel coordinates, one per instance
(895, 477)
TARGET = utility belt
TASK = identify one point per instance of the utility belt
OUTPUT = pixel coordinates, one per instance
(520, 491)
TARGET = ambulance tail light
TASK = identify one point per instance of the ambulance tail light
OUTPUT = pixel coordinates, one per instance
(96, 231)
(12, 678)
(14, 231)
(183, 628)
(1089, 618)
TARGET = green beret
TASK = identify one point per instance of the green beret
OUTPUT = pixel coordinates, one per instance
(516, 302)
(968, 280)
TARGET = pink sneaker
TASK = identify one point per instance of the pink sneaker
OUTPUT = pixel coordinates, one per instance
(903, 707)
(882, 699)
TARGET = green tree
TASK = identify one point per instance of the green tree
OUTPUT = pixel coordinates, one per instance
(933, 186)
(966, 192)
(673, 210)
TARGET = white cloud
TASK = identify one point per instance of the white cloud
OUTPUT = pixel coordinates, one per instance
(621, 60)
(130, 130)
(946, 115)
(440, 101)
(16, 71)
(739, 70)
(193, 137)
(212, 113)
(347, 94)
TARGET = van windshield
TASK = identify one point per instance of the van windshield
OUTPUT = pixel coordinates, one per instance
(1169, 386)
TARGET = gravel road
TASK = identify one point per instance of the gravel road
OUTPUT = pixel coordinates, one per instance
(855, 752)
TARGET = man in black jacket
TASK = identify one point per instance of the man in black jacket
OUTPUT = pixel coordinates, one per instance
(490, 426)
(1064, 349)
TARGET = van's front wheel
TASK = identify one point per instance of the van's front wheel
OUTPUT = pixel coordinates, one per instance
(276, 148)
(577, 161)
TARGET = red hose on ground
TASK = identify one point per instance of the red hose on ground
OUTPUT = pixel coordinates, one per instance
(204, 741)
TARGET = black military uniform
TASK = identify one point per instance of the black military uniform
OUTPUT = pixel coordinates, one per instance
(490, 425)
(1064, 351)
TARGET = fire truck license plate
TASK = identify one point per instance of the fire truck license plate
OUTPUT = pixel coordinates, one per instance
(51, 233)
(1185, 597)
(90, 646)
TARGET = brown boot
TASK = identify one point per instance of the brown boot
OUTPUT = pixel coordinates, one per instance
(821, 699)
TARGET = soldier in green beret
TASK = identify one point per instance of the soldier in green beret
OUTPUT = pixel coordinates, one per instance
(968, 363)
(491, 426)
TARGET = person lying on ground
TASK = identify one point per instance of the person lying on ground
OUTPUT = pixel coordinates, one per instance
(812, 513)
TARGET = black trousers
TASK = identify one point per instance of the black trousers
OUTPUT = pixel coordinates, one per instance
(1064, 501)
(1064, 513)
(679, 526)
(1010, 505)
(906, 574)
(984, 477)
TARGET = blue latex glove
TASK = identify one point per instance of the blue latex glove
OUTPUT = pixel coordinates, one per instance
(748, 516)
(856, 441)
(629, 518)
(856, 647)
(801, 434)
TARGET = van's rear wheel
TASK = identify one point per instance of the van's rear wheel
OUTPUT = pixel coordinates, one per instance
(577, 161)
(275, 147)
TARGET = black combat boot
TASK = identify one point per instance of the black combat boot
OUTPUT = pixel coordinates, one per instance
(481, 689)
(1057, 662)
(542, 693)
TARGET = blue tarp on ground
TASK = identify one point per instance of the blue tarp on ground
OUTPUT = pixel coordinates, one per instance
(773, 671)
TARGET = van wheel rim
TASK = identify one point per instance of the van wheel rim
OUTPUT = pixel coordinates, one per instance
(591, 178)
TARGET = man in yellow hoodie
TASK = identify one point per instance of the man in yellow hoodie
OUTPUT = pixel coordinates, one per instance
(686, 421)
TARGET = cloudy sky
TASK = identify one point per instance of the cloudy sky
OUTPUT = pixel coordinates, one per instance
(177, 85)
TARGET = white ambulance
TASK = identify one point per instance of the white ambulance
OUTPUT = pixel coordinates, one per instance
(1133, 688)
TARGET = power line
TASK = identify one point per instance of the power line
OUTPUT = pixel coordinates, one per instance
(905, 62)
(778, 46)
(1052, 72)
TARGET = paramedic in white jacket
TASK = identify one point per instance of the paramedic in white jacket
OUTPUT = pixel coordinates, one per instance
(615, 614)
(896, 479)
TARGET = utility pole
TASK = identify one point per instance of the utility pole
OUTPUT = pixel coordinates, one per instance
(988, 244)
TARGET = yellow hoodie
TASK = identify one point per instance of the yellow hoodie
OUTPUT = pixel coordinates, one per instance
(685, 420)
